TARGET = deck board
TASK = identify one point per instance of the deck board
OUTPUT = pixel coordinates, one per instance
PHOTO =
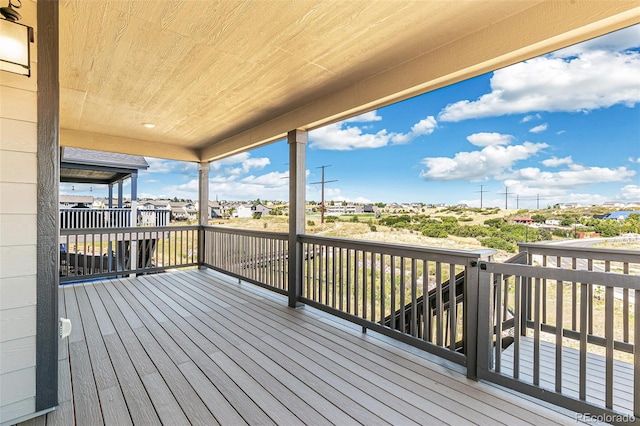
(198, 347)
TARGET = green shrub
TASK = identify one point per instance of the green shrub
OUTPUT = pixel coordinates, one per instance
(311, 223)
(498, 244)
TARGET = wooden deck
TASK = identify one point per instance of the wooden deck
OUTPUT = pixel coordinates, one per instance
(196, 347)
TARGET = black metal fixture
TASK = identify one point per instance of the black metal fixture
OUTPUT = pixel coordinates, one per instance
(15, 39)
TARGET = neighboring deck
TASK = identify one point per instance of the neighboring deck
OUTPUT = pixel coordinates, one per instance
(196, 347)
(595, 380)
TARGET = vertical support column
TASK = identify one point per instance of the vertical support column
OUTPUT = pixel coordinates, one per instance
(111, 217)
(120, 194)
(297, 140)
(133, 253)
(48, 249)
(203, 208)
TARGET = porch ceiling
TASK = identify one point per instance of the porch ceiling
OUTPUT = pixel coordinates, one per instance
(221, 77)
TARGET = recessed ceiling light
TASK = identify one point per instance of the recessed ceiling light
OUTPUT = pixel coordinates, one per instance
(149, 125)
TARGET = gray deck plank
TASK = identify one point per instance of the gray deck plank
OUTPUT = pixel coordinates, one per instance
(140, 406)
(168, 408)
(114, 406)
(197, 347)
(134, 349)
(85, 393)
(211, 396)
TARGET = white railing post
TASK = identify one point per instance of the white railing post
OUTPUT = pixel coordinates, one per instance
(203, 208)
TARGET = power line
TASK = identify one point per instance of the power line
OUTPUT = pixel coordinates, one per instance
(322, 182)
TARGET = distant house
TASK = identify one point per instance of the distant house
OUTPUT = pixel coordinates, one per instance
(183, 211)
(552, 222)
(368, 208)
(523, 220)
(621, 215)
(75, 201)
(260, 209)
(243, 212)
(216, 210)
(614, 204)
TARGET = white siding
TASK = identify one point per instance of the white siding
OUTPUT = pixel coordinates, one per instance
(18, 208)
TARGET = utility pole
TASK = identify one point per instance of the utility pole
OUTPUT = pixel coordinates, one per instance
(517, 202)
(506, 197)
(538, 202)
(322, 182)
(481, 192)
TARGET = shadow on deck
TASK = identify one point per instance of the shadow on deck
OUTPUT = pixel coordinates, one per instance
(196, 347)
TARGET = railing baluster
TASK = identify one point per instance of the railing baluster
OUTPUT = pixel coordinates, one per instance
(403, 296)
(536, 333)
(608, 335)
(544, 291)
(636, 354)
(497, 283)
(414, 302)
(582, 386)
(559, 328)
(453, 307)
(517, 324)
(439, 308)
(393, 292)
(340, 279)
(590, 298)
(625, 306)
(383, 290)
(356, 293)
(334, 264)
(426, 311)
(349, 251)
(372, 271)
(574, 297)
(364, 284)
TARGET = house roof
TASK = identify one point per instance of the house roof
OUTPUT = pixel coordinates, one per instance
(218, 78)
(89, 166)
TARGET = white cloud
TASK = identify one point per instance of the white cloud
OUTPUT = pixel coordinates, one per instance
(559, 132)
(538, 129)
(528, 118)
(364, 118)
(487, 139)
(555, 161)
(634, 160)
(244, 161)
(616, 41)
(591, 80)
(341, 137)
(532, 180)
(630, 192)
(490, 161)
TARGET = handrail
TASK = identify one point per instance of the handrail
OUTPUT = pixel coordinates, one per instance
(248, 232)
(615, 255)
(107, 252)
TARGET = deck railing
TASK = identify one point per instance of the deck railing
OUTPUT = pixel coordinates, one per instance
(383, 287)
(96, 253)
(565, 328)
(111, 218)
(259, 257)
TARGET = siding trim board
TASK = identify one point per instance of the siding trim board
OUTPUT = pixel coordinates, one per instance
(47, 225)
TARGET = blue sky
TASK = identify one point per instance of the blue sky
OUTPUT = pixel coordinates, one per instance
(564, 127)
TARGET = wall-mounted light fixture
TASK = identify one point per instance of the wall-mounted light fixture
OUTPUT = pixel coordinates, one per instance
(14, 40)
